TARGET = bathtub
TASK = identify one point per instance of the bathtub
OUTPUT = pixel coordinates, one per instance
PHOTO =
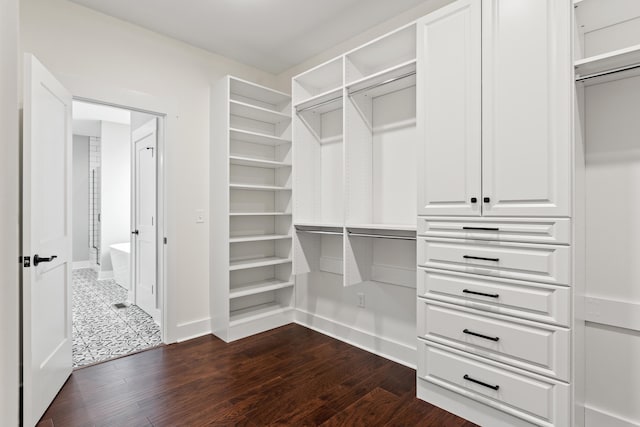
(121, 259)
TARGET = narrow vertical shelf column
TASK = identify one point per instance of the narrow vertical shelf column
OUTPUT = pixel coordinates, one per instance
(252, 286)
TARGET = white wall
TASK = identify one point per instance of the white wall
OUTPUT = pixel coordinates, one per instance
(115, 212)
(99, 57)
(284, 79)
(9, 162)
(80, 214)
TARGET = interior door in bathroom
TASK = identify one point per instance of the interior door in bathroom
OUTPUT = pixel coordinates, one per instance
(145, 218)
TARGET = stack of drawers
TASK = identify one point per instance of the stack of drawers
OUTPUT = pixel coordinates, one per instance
(494, 312)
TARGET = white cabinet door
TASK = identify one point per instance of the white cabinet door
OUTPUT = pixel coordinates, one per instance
(526, 68)
(449, 110)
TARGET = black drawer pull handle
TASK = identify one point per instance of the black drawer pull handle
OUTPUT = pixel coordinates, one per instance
(486, 337)
(467, 291)
(480, 258)
(493, 387)
(482, 228)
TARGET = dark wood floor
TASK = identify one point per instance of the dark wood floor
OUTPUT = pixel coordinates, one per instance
(289, 376)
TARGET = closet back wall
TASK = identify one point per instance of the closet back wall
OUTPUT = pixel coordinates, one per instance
(103, 58)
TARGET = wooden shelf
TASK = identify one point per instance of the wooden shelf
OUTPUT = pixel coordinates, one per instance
(258, 187)
(256, 137)
(258, 287)
(611, 61)
(259, 262)
(322, 103)
(258, 163)
(258, 92)
(253, 112)
(382, 82)
(260, 238)
(386, 227)
(259, 214)
(257, 312)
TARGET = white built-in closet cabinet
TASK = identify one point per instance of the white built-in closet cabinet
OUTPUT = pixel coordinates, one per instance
(523, 250)
(495, 203)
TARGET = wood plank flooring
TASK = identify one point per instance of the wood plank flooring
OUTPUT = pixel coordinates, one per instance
(290, 376)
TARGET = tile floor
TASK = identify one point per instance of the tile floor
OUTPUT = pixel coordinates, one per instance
(101, 331)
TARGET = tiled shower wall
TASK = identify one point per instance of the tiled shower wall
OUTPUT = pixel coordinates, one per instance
(94, 202)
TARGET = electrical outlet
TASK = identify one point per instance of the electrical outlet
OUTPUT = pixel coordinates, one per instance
(361, 302)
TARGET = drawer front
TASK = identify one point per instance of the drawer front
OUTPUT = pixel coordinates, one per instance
(533, 346)
(521, 261)
(534, 230)
(535, 399)
(528, 300)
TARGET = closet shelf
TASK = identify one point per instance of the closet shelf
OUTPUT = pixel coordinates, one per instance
(259, 214)
(318, 225)
(322, 103)
(258, 92)
(617, 60)
(258, 287)
(385, 227)
(258, 187)
(392, 79)
(259, 238)
(253, 112)
(259, 163)
(258, 312)
(256, 137)
(259, 262)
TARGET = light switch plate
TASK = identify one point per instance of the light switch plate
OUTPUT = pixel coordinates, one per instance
(199, 216)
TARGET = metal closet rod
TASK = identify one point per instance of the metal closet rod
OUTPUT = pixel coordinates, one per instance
(373, 86)
(337, 233)
(381, 236)
(386, 82)
(609, 72)
(320, 104)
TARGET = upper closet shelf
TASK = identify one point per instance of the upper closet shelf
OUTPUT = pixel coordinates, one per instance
(260, 114)
(386, 81)
(258, 187)
(384, 227)
(253, 91)
(322, 103)
(259, 163)
(256, 138)
(607, 63)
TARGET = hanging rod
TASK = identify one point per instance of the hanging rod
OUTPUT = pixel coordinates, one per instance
(386, 82)
(608, 72)
(381, 236)
(336, 233)
(320, 104)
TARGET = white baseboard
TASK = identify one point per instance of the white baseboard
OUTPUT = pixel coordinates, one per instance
(105, 275)
(190, 330)
(77, 265)
(385, 347)
(597, 418)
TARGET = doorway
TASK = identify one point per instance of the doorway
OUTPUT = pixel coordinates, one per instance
(116, 303)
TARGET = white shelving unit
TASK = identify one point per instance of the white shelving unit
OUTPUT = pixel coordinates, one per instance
(606, 127)
(608, 39)
(252, 285)
(354, 156)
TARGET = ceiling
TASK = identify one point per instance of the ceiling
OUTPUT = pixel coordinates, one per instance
(272, 35)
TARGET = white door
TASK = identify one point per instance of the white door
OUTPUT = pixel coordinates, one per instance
(449, 110)
(145, 218)
(46, 216)
(527, 74)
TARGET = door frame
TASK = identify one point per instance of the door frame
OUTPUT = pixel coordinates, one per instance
(161, 206)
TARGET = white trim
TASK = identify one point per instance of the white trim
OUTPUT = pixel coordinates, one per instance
(190, 330)
(606, 311)
(77, 265)
(395, 351)
(598, 418)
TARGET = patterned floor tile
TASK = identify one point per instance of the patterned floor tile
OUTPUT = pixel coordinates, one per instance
(102, 331)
